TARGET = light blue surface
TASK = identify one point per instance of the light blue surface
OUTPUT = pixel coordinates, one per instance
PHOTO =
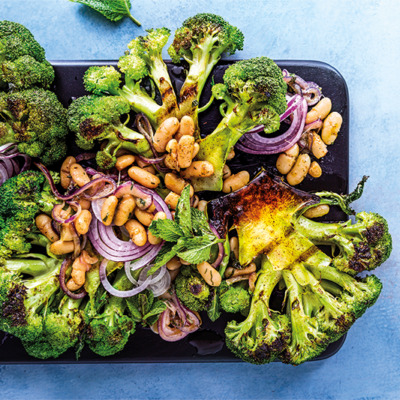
(361, 39)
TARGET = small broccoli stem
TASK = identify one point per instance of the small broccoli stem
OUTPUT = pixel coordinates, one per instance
(202, 63)
(334, 275)
(320, 233)
(140, 101)
(34, 268)
(133, 141)
(69, 306)
(159, 74)
(306, 278)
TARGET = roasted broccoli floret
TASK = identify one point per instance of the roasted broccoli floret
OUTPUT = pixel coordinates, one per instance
(321, 302)
(265, 333)
(192, 290)
(361, 246)
(95, 118)
(26, 287)
(21, 198)
(109, 332)
(201, 41)
(253, 94)
(22, 59)
(36, 121)
(61, 331)
(233, 298)
(144, 60)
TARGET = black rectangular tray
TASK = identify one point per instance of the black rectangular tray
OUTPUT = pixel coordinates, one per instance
(207, 344)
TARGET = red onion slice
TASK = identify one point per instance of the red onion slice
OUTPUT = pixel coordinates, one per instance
(221, 251)
(256, 144)
(114, 292)
(165, 330)
(103, 179)
(146, 160)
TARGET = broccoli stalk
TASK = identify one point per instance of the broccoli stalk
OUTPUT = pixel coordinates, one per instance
(307, 339)
(98, 119)
(254, 94)
(144, 60)
(362, 246)
(201, 41)
(109, 332)
(263, 335)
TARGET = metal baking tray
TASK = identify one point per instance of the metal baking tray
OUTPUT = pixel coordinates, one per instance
(207, 344)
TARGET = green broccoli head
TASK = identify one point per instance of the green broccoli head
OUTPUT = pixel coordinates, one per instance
(17, 41)
(95, 118)
(206, 34)
(361, 246)
(145, 55)
(265, 333)
(257, 79)
(192, 290)
(36, 120)
(100, 80)
(253, 93)
(21, 198)
(25, 72)
(109, 331)
(27, 285)
(233, 299)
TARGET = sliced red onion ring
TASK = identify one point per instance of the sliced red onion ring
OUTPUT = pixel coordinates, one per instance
(9, 148)
(160, 281)
(114, 292)
(106, 192)
(315, 125)
(64, 266)
(221, 251)
(109, 246)
(97, 205)
(255, 144)
(146, 160)
(142, 262)
(55, 213)
(165, 325)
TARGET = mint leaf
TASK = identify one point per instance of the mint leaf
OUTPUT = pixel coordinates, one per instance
(200, 223)
(196, 249)
(213, 310)
(114, 10)
(158, 307)
(167, 252)
(135, 313)
(183, 214)
(166, 229)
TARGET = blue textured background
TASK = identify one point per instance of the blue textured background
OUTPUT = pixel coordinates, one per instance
(362, 40)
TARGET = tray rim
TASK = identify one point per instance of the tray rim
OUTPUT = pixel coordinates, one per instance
(199, 359)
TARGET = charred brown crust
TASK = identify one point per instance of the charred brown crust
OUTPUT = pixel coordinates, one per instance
(89, 129)
(265, 189)
(14, 307)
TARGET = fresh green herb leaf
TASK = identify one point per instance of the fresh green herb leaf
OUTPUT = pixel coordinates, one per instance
(158, 307)
(166, 229)
(135, 313)
(114, 10)
(200, 223)
(213, 310)
(183, 214)
(167, 252)
(196, 249)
